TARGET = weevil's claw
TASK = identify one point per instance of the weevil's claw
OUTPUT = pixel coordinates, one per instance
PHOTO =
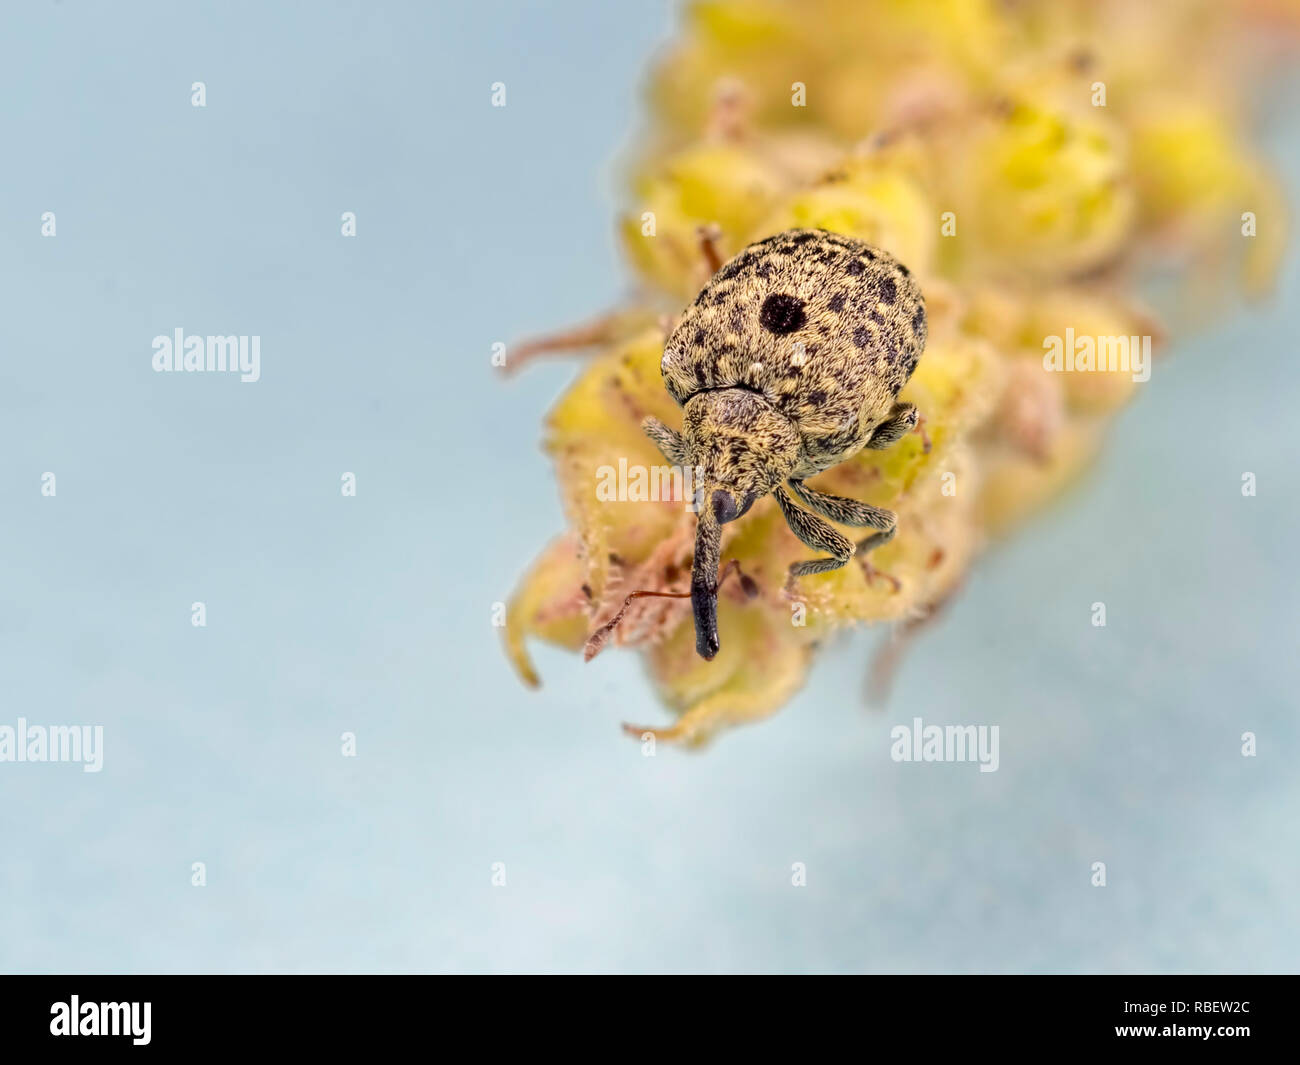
(871, 573)
(925, 437)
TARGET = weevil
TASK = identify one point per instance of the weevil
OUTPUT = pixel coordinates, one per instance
(789, 361)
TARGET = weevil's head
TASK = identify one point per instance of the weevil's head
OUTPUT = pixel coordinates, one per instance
(742, 448)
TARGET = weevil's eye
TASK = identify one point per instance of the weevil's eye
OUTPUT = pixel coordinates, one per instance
(724, 507)
(781, 314)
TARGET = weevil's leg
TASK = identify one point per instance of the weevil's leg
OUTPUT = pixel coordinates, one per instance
(844, 511)
(863, 515)
(869, 544)
(709, 236)
(668, 441)
(817, 534)
(901, 421)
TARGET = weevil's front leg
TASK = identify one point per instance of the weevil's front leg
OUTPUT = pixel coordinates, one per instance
(817, 534)
(668, 441)
(844, 511)
(863, 515)
(901, 421)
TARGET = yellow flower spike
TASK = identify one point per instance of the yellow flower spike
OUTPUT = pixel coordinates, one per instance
(981, 108)
(726, 184)
(1044, 192)
(1113, 328)
(548, 605)
(1015, 485)
(605, 405)
(746, 24)
(860, 199)
(1187, 161)
(764, 44)
(761, 665)
(595, 440)
(1198, 182)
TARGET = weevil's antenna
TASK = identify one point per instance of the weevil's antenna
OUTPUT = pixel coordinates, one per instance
(600, 637)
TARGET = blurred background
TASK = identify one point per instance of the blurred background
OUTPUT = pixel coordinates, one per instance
(372, 614)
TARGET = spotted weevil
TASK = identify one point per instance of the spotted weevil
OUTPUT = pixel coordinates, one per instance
(789, 362)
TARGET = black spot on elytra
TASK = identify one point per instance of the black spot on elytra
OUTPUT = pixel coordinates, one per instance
(861, 337)
(699, 337)
(918, 321)
(781, 314)
(877, 317)
(836, 302)
(904, 270)
(817, 398)
(803, 238)
(854, 268)
(888, 290)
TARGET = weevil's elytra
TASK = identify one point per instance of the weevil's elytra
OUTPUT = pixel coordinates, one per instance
(789, 362)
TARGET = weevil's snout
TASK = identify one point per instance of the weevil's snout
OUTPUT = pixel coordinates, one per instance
(706, 645)
(704, 603)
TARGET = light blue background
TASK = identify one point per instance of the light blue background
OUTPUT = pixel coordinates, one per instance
(372, 614)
